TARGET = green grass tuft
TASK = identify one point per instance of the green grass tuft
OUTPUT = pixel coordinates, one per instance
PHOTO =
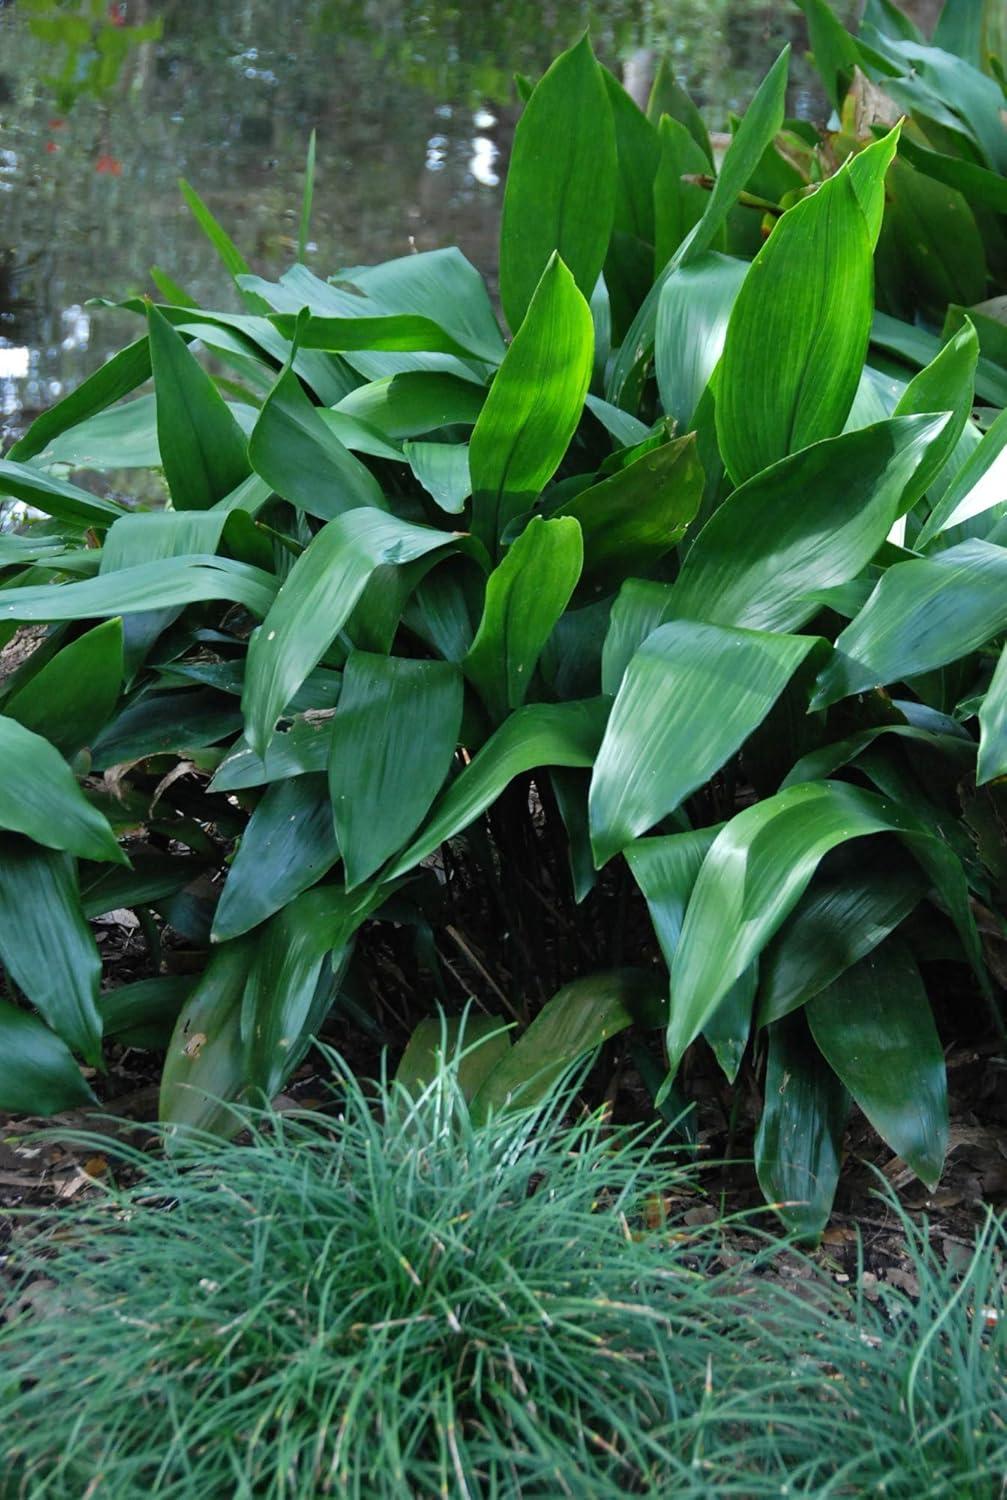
(389, 1302)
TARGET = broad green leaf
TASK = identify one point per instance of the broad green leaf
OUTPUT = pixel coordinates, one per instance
(571, 788)
(399, 332)
(668, 97)
(120, 437)
(70, 699)
(40, 797)
(576, 1021)
(415, 403)
(533, 406)
(143, 1014)
(393, 739)
(55, 496)
(980, 484)
(471, 1045)
(38, 1075)
(561, 183)
(204, 1066)
(993, 726)
(757, 870)
(868, 171)
(798, 1145)
(665, 869)
(151, 878)
(627, 430)
(290, 981)
(155, 585)
(811, 522)
(288, 845)
(314, 604)
(443, 471)
(118, 377)
(798, 332)
(630, 520)
(297, 751)
(922, 614)
(837, 921)
(874, 1027)
(203, 449)
(638, 150)
(437, 284)
(762, 120)
(155, 723)
(540, 734)
(640, 606)
(946, 384)
(47, 948)
(301, 458)
(148, 536)
(931, 251)
(678, 205)
(525, 596)
(692, 317)
(978, 185)
(691, 696)
(836, 53)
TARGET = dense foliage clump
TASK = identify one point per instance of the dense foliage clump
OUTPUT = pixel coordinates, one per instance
(664, 638)
(394, 1303)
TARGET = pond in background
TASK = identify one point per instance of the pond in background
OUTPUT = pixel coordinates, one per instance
(103, 106)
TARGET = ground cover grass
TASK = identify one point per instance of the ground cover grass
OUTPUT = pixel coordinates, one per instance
(383, 1299)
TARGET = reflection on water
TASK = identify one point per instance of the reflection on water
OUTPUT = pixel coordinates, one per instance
(104, 105)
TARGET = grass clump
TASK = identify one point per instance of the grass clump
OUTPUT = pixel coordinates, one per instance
(392, 1302)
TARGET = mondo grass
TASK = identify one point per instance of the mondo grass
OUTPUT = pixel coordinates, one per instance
(388, 1301)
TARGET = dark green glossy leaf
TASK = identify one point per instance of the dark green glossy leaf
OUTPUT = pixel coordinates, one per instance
(811, 522)
(143, 1014)
(761, 121)
(921, 614)
(976, 487)
(690, 697)
(946, 384)
(297, 751)
(414, 403)
(55, 496)
(302, 459)
(158, 722)
(668, 97)
(678, 205)
(757, 870)
(314, 604)
(525, 596)
(38, 1075)
(533, 406)
(692, 318)
(120, 437)
(798, 332)
(561, 183)
(836, 922)
(640, 607)
(993, 726)
(204, 1068)
(540, 734)
(47, 948)
(630, 520)
(443, 471)
(571, 1025)
(874, 1027)
(202, 447)
(288, 845)
(118, 377)
(71, 698)
(39, 797)
(393, 739)
(290, 980)
(799, 1140)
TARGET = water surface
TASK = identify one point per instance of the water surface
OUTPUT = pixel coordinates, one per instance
(104, 105)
